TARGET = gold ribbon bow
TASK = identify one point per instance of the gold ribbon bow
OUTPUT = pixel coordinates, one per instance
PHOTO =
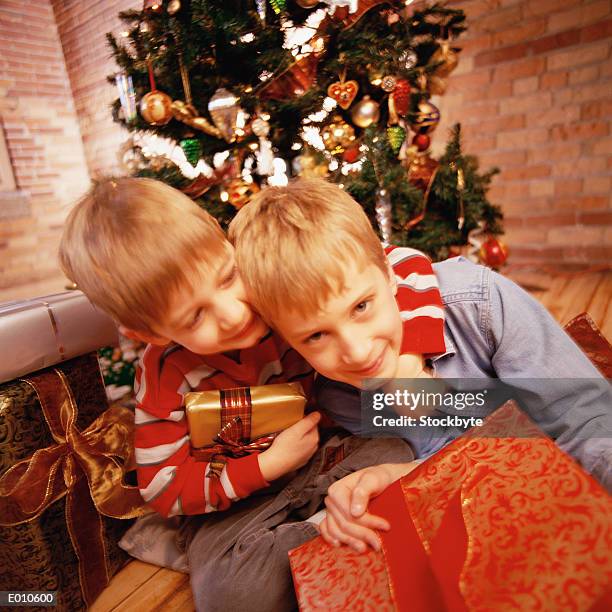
(85, 467)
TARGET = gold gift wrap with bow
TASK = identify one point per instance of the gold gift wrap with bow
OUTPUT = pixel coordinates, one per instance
(259, 411)
(63, 499)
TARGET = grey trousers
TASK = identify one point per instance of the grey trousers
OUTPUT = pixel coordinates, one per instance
(238, 558)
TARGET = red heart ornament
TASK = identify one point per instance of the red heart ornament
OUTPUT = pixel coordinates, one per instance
(343, 92)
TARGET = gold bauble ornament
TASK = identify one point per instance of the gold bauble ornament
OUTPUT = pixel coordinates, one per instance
(365, 112)
(306, 4)
(337, 135)
(156, 108)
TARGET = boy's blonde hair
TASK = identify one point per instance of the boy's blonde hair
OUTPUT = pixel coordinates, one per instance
(294, 243)
(130, 242)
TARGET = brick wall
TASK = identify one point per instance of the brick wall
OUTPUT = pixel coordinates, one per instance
(82, 27)
(44, 146)
(533, 92)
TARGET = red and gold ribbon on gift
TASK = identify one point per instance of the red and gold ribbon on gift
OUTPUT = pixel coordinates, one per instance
(236, 414)
(86, 467)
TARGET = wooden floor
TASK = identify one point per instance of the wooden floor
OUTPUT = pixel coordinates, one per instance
(143, 587)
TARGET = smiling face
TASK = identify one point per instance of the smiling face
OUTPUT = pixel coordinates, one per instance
(357, 332)
(212, 315)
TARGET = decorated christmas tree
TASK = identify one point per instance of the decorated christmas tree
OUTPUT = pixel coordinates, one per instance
(225, 96)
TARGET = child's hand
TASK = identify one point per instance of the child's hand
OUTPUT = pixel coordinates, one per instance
(347, 521)
(291, 449)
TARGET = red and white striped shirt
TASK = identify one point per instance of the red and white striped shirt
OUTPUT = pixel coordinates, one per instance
(170, 479)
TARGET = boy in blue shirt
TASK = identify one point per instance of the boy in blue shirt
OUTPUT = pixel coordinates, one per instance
(333, 318)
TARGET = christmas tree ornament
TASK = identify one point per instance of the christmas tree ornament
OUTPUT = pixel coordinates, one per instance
(174, 6)
(421, 142)
(389, 82)
(152, 5)
(192, 148)
(460, 189)
(493, 252)
(293, 82)
(261, 9)
(130, 156)
(127, 96)
(408, 59)
(278, 6)
(260, 127)
(343, 92)
(396, 135)
(383, 212)
(156, 106)
(337, 135)
(223, 108)
(446, 57)
(187, 114)
(365, 113)
(310, 165)
(401, 97)
(426, 118)
(240, 192)
(307, 4)
(143, 27)
(351, 155)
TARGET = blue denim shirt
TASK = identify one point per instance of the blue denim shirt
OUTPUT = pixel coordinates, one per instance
(494, 329)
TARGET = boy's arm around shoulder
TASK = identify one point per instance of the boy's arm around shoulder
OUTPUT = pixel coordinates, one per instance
(169, 478)
(529, 348)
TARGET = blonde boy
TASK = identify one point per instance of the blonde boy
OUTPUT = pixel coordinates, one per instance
(314, 269)
(162, 268)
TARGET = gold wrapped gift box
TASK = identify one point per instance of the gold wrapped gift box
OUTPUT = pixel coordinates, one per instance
(263, 410)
